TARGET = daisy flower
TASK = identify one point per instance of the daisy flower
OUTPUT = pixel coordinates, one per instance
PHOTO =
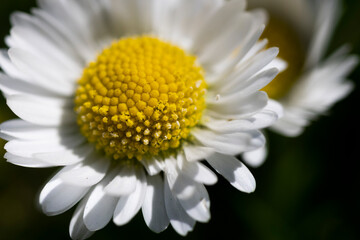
(139, 101)
(311, 84)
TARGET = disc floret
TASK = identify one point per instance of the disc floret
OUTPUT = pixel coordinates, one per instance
(140, 97)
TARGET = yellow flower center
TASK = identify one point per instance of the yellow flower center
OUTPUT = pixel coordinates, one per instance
(281, 34)
(140, 97)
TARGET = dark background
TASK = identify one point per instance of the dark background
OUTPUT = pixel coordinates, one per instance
(307, 189)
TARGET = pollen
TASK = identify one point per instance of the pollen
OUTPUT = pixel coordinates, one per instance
(140, 97)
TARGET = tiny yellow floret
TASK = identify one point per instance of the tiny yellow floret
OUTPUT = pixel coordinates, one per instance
(140, 97)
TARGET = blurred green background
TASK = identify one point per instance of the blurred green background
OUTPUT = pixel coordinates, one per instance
(307, 189)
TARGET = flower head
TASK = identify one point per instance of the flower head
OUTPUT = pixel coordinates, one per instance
(309, 84)
(129, 97)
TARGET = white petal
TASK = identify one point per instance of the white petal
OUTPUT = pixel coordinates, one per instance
(196, 171)
(42, 45)
(262, 119)
(198, 205)
(43, 74)
(245, 70)
(153, 165)
(29, 148)
(88, 173)
(185, 20)
(123, 12)
(45, 29)
(49, 100)
(293, 122)
(232, 143)
(63, 157)
(255, 158)
(315, 93)
(225, 40)
(278, 63)
(179, 188)
(100, 207)
(258, 46)
(57, 197)
(274, 107)
(77, 229)
(40, 112)
(19, 129)
(324, 85)
(8, 67)
(326, 18)
(195, 152)
(253, 84)
(192, 196)
(153, 208)
(224, 67)
(179, 219)
(26, 162)
(128, 206)
(224, 16)
(234, 171)
(99, 15)
(77, 24)
(124, 183)
(237, 106)
(68, 40)
(14, 86)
